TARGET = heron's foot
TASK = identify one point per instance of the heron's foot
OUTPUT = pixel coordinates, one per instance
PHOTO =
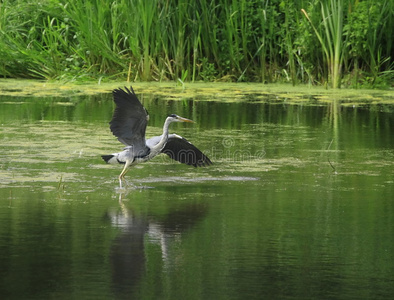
(121, 189)
(124, 184)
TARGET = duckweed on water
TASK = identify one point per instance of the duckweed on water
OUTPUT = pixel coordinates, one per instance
(223, 92)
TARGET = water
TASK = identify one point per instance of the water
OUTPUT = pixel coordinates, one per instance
(298, 204)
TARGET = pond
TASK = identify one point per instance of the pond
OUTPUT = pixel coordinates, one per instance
(298, 204)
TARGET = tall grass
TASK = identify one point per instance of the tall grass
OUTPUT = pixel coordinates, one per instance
(380, 28)
(331, 37)
(186, 40)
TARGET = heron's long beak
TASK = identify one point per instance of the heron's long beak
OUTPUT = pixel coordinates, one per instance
(185, 120)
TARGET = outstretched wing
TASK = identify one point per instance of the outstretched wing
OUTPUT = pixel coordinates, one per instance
(180, 149)
(130, 118)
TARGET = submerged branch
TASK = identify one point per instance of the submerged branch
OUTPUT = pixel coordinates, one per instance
(328, 158)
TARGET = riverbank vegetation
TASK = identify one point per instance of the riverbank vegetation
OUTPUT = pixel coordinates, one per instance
(330, 42)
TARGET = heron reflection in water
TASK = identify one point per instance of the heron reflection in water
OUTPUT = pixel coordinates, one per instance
(129, 123)
(128, 255)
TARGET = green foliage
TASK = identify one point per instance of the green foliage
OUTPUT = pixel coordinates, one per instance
(330, 36)
(369, 38)
(347, 42)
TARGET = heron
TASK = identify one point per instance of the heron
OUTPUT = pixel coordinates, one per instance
(128, 124)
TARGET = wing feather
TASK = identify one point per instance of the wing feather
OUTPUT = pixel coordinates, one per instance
(130, 118)
(180, 149)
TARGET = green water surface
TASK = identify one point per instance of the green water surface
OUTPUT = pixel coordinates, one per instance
(299, 203)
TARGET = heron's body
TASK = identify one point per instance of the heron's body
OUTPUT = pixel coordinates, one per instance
(128, 124)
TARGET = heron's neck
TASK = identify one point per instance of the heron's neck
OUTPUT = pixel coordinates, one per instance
(164, 136)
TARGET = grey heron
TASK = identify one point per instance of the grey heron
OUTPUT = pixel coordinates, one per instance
(129, 123)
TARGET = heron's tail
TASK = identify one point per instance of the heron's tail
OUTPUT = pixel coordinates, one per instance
(111, 159)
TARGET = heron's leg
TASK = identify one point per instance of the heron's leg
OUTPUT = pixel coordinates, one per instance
(124, 171)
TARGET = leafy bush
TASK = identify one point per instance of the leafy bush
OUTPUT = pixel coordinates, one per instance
(262, 41)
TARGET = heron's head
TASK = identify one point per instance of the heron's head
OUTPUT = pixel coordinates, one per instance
(176, 118)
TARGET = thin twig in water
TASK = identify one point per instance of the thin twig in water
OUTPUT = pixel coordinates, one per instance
(328, 158)
(60, 183)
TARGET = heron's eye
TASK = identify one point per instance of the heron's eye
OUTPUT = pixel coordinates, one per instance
(173, 116)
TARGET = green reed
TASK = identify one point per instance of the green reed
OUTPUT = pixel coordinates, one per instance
(379, 36)
(265, 41)
(331, 37)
